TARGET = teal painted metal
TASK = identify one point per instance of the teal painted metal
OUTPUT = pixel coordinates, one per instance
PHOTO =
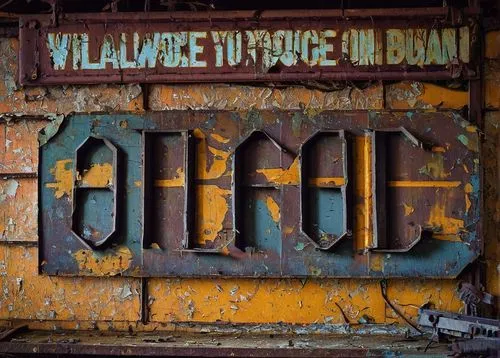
(260, 231)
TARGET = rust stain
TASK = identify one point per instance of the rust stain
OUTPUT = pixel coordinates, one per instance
(212, 207)
(104, 264)
(423, 184)
(63, 175)
(274, 209)
(280, 176)
(177, 182)
(218, 166)
(98, 176)
(327, 181)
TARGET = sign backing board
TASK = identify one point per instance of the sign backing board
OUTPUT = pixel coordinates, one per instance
(243, 46)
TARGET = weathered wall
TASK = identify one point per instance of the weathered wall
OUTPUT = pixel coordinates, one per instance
(115, 302)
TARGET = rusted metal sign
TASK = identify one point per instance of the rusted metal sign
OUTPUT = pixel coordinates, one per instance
(239, 46)
(261, 193)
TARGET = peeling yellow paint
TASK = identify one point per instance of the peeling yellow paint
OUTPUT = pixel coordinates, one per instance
(110, 263)
(288, 229)
(468, 189)
(327, 181)
(409, 95)
(435, 167)
(274, 209)
(442, 224)
(218, 166)
(280, 176)
(363, 230)
(63, 176)
(408, 209)
(219, 138)
(177, 182)
(212, 207)
(98, 176)
(293, 300)
(423, 184)
(138, 183)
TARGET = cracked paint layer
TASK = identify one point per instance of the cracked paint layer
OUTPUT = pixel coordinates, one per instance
(19, 145)
(108, 263)
(292, 300)
(27, 295)
(419, 95)
(220, 96)
(211, 210)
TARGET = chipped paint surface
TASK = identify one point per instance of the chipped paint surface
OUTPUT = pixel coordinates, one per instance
(280, 176)
(98, 176)
(362, 189)
(212, 207)
(27, 295)
(210, 166)
(176, 182)
(220, 96)
(337, 181)
(312, 301)
(413, 95)
(256, 300)
(273, 208)
(18, 210)
(104, 264)
(63, 176)
(15, 100)
(18, 138)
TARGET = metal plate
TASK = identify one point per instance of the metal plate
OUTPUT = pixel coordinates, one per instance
(247, 46)
(256, 193)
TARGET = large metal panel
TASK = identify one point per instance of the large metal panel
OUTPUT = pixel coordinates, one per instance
(248, 46)
(261, 193)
